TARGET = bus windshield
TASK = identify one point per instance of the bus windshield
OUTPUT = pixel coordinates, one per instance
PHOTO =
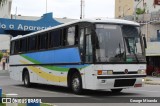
(118, 43)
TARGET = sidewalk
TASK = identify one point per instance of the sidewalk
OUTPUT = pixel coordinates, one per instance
(4, 72)
(152, 80)
(6, 66)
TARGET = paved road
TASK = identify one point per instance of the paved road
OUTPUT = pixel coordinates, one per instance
(11, 86)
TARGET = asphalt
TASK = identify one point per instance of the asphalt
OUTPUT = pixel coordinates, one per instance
(148, 80)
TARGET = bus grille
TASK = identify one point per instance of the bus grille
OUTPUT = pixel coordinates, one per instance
(134, 72)
(124, 82)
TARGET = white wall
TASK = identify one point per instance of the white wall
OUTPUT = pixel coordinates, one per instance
(5, 10)
(4, 42)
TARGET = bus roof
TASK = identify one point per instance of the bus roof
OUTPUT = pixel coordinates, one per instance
(111, 21)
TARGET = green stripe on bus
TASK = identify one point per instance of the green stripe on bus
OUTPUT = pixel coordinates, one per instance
(55, 68)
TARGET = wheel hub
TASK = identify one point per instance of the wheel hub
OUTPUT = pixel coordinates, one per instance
(26, 80)
(75, 83)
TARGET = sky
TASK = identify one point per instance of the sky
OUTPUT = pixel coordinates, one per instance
(64, 8)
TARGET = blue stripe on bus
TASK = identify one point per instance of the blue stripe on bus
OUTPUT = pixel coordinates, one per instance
(68, 55)
(73, 66)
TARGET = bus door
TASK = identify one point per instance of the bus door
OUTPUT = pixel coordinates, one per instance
(86, 51)
(86, 48)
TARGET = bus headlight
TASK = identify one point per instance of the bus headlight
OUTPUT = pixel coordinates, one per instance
(109, 72)
(105, 72)
(141, 71)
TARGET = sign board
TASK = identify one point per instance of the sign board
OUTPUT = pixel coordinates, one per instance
(13, 26)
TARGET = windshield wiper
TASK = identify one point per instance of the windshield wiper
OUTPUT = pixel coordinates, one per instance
(133, 51)
(120, 51)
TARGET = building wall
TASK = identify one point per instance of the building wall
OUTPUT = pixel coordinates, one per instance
(5, 10)
(123, 8)
(150, 31)
(4, 42)
(148, 5)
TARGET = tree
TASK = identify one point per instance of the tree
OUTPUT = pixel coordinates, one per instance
(1, 55)
(140, 11)
(2, 2)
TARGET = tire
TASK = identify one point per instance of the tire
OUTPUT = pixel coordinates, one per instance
(154, 74)
(76, 83)
(116, 90)
(26, 79)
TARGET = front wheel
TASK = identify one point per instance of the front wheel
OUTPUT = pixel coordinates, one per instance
(76, 83)
(26, 79)
(116, 90)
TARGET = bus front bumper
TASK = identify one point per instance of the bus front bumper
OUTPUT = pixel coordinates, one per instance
(117, 81)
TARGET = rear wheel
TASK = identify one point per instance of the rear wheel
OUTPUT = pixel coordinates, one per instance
(76, 83)
(116, 90)
(26, 79)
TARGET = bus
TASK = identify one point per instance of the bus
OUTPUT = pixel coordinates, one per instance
(83, 54)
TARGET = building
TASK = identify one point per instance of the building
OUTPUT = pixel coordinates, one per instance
(150, 25)
(123, 8)
(128, 7)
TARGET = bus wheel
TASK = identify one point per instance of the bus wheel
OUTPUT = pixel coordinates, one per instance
(116, 90)
(154, 74)
(76, 83)
(26, 79)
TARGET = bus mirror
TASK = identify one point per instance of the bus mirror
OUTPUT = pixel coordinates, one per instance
(144, 42)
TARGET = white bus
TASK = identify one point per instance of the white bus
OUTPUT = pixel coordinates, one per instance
(84, 54)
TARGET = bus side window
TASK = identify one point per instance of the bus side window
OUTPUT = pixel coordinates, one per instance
(55, 38)
(64, 37)
(43, 41)
(71, 36)
(81, 43)
(76, 35)
(51, 39)
(23, 45)
(32, 43)
(16, 49)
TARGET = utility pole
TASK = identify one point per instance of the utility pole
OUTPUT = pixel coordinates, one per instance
(16, 13)
(46, 6)
(82, 9)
